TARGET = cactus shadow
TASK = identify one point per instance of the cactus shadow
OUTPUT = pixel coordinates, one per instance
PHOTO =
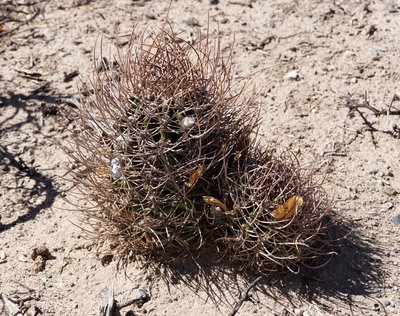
(354, 271)
(18, 111)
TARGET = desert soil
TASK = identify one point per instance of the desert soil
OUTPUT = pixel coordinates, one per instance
(328, 74)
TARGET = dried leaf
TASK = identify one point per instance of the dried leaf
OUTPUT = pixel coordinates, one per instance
(195, 176)
(289, 208)
(215, 202)
(2, 27)
(102, 170)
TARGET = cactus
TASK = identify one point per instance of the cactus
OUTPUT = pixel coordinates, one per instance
(169, 145)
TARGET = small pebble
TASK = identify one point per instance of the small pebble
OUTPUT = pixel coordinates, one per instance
(396, 219)
(387, 206)
(224, 20)
(192, 22)
(293, 75)
(389, 190)
(386, 303)
(379, 173)
(50, 33)
(22, 258)
(383, 49)
(150, 15)
(391, 8)
(3, 255)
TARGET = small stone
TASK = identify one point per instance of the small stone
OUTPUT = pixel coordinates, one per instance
(380, 174)
(213, 2)
(389, 190)
(22, 258)
(188, 121)
(224, 20)
(353, 80)
(3, 255)
(386, 303)
(50, 33)
(391, 8)
(383, 49)
(192, 22)
(396, 219)
(387, 206)
(293, 75)
(150, 15)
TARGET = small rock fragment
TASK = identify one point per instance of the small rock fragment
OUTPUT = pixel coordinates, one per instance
(396, 219)
(386, 303)
(293, 75)
(391, 8)
(188, 121)
(3, 255)
(22, 258)
(389, 190)
(150, 15)
(116, 171)
(387, 206)
(192, 22)
(50, 33)
(383, 49)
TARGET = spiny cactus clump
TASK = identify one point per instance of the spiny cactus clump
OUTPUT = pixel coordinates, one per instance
(172, 162)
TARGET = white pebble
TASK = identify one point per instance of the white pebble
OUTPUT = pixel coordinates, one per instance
(116, 168)
(188, 121)
(293, 75)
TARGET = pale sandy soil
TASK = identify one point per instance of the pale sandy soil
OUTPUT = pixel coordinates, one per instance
(339, 48)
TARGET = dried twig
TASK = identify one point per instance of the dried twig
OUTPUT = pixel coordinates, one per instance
(110, 307)
(34, 15)
(245, 3)
(244, 297)
(358, 107)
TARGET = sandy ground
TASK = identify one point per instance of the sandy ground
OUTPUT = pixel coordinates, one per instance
(338, 110)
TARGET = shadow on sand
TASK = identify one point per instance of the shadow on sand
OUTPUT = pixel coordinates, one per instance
(354, 271)
(17, 111)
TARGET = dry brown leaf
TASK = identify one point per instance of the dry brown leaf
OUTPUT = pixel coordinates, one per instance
(215, 202)
(195, 176)
(289, 208)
